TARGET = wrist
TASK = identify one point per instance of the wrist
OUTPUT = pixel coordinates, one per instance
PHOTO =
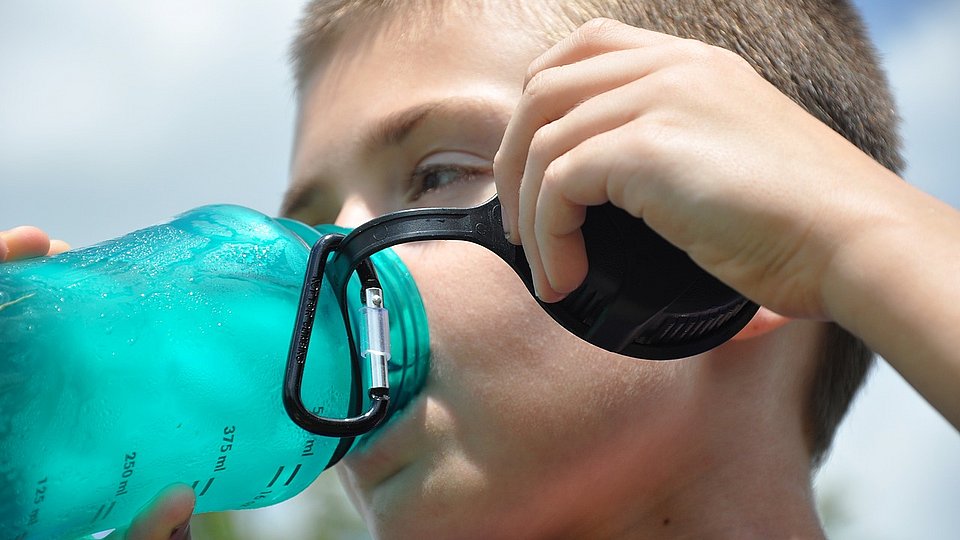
(892, 244)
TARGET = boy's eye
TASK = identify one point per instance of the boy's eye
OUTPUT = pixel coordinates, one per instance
(432, 180)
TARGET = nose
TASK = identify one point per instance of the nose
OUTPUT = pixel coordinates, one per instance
(354, 212)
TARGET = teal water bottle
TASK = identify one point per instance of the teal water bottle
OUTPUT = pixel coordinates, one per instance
(159, 357)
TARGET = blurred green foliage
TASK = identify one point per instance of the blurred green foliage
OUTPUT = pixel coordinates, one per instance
(321, 512)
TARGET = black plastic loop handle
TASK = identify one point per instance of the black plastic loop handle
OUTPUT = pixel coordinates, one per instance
(300, 344)
(642, 296)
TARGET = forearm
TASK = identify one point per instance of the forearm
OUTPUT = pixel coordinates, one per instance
(895, 282)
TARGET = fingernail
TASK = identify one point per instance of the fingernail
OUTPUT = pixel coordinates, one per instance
(506, 223)
(508, 234)
(181, 533)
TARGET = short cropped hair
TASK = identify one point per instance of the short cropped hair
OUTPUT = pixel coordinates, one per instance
(814, 51)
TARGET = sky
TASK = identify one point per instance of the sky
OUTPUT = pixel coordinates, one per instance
(895, 469)
(115, 115)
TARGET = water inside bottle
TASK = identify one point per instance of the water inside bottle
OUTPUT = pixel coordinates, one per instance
(128, 389)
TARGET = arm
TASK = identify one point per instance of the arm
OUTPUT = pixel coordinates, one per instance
(896, 284)
(757, 191)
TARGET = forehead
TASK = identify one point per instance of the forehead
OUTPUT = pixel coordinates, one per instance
(374, 71)
(447, 40)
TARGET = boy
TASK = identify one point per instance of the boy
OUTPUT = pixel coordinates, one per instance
(522, 430)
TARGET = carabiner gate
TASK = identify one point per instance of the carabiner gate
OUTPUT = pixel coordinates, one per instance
(373, 347)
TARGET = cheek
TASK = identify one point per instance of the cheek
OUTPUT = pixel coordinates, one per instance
(527, 406)
(480, 313)
(508, 370)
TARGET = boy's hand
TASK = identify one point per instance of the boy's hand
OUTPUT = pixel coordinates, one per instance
(25, 242)
(166, 517)
(691, 139)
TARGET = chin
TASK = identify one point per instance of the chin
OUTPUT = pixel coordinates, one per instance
(437, 497)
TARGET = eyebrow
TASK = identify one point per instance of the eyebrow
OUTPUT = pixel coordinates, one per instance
(389, 131)
(392, 130)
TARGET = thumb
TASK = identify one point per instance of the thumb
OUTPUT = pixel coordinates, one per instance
(166, 517)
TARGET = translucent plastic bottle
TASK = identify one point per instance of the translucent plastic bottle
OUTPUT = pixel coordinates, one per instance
(159, 357)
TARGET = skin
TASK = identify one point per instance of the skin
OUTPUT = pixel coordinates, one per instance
(524, 432)
(512, 430)
(26, 241)
(519, 420)
(574, 142)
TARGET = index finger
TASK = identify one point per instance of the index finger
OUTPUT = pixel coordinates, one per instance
(594, 38)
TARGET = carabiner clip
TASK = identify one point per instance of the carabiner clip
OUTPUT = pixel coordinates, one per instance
(378, 391)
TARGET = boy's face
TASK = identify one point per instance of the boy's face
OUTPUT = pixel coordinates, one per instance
(520, 424)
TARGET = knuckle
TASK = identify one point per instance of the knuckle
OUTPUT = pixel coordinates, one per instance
(532, 71)
(557, 176)
(696, 52)
(735, 60)
(542, 143)
(652, 138)
(551, 176)
(538, 77)
(596, 29)
(674, 82)
(709, 56)
(542, 86)
(537, 84)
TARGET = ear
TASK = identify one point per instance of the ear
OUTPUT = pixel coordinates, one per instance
(764, 322)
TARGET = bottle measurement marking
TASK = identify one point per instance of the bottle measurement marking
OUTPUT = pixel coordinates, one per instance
(229, 432)
(226, 445)
(105, 514)
(39, 495)
(264, 493)
(129, 463)
(205, 487)
(308, 448)
(280, 471)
